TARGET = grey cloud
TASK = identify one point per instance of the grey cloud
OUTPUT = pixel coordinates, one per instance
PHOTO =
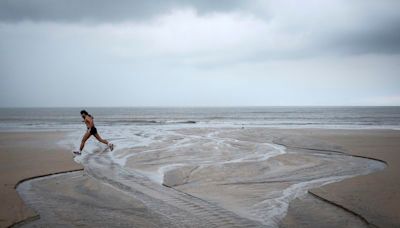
(376, 28)
(384, 39)
(102, 10)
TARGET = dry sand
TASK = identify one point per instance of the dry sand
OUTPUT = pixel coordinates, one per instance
(23, 156)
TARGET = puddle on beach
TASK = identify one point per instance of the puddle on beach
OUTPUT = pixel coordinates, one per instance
(207, 177)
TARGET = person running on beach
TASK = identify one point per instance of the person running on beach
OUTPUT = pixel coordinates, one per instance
(91, 130)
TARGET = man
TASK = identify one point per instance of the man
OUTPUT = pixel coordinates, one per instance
(91, 130)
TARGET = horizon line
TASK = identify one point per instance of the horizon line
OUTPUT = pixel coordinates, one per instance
(196, 106)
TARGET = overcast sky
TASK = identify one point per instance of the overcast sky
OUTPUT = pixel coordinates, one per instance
(199, 53)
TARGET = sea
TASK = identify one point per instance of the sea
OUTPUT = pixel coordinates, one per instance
(32, 119)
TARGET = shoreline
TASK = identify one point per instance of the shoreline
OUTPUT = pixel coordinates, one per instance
(296, 131)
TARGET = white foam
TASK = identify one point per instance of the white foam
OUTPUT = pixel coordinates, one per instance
(130, 137)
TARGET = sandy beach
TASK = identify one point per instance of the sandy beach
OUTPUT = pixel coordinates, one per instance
(375, 197)
(309, 184)
(24, 156)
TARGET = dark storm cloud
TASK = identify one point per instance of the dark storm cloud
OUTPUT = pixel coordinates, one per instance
(379, 40)
(371, 26)
(102, 10)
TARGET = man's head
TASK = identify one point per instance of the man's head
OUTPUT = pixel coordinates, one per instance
(84, 114)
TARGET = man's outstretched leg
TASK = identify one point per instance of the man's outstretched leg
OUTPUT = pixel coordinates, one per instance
(104, 141)
(85, 137)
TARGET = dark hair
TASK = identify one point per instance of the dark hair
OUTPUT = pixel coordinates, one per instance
(84, 112)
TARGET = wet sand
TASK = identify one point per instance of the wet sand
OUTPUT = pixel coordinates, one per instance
(23, 156)
(235, 191)
(79, 200)
(375, 197)
(262, 189)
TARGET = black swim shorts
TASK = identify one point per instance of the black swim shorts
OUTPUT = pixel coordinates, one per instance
(93, 131)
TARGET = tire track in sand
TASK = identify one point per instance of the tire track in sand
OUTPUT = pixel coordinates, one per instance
(184, 210)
